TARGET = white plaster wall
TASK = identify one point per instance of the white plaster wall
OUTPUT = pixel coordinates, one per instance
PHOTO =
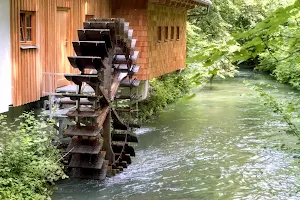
(5, 59)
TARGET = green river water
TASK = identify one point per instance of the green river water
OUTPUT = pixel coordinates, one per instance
(222, 144)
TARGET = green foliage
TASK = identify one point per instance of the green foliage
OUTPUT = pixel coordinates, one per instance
(228, 16)
(164, 90)
(271, 34)
(242, 30)
(208, 59)
(275, 41)
(28, 158)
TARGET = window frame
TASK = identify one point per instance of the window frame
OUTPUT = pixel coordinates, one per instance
(23, 27)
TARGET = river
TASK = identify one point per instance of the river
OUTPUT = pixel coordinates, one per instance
(222, 144)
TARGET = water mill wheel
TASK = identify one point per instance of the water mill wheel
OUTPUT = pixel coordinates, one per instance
(106, 59)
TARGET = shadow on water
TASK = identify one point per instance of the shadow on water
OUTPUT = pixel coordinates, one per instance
(219, 145)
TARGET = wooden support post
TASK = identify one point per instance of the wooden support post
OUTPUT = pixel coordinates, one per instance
(107, 123)
(60, 128)
(107, 139)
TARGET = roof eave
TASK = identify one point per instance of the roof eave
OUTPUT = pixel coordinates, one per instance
(206, 3)
(185, 4)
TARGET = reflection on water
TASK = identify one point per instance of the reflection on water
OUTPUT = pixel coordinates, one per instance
(219, 145)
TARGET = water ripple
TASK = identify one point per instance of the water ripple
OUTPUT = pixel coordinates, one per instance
(219, 145)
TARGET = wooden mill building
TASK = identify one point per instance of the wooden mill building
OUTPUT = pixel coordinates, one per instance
(37, 37)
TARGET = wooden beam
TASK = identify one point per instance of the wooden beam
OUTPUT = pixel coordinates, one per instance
(187, 4)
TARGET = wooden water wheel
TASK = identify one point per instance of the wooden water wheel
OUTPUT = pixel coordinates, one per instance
(106, 59)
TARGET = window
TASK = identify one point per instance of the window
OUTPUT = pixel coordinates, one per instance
(88, 17)
(166, 33)
(178, 33)
(172, 33)
(159, 35)
(27, 33)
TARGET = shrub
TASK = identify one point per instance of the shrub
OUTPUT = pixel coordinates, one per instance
(29, 163)
(164, 90)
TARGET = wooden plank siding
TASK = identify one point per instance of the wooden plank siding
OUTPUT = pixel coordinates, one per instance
(167, 55)
(28, 65)
(155, 58)
(89, 10)
(63, 3)
(56, 24)
(15, 50)
(103, 11)
(135, 12)
(28, 5)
